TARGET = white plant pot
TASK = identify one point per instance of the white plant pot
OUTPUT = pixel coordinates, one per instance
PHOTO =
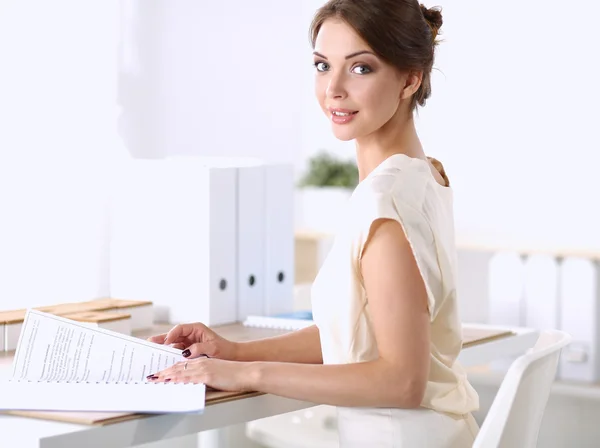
(319, 208)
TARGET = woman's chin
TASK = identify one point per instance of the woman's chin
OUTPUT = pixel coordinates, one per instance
(343, 133)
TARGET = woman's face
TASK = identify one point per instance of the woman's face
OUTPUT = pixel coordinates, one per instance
(356, 90)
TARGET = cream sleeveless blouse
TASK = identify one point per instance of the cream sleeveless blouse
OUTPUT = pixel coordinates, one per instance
(403, 189)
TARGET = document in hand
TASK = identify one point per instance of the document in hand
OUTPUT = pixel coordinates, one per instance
(63, 365)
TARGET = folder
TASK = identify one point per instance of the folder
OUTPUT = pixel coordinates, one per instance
(173, 226)
(251, 225)
(580, 316)
(279, 239)
(541, 292)
(1, 336)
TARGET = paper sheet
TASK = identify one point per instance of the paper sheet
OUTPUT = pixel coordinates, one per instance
(52, 348)
(63, 365)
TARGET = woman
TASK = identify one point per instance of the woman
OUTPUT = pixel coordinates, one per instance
(387, 330)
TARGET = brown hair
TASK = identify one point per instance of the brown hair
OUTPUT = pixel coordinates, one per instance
(401, 32)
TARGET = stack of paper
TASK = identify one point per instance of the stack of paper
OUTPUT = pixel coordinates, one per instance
(64, 365)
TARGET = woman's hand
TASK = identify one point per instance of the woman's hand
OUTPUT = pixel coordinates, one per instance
(216, 373)
(197, 340)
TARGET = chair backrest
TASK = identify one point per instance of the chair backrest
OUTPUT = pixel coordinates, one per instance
(515, 417)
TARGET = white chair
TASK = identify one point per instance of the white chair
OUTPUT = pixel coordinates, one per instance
(513, 420)
(515, 417)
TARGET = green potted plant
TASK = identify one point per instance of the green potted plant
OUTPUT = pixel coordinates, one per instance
(323, 189)
(325, 170)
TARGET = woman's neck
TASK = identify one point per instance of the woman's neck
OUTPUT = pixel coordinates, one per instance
(397, 136)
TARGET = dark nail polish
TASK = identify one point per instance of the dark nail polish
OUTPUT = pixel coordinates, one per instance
(186, 353)
(152, 377)
(167, 380)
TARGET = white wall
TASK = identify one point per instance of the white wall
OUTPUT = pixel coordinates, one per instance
(57, 143)
(213, 79)
(512, 115)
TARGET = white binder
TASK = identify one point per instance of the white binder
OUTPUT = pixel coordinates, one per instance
(279, 239)
(580, 317)
(2, 348)
(173, 226)
(251, 223)
(541, 292)
(250, 229)
(506, 289)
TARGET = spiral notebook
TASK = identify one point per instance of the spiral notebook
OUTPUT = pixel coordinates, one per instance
(295, 320)
(63, 365)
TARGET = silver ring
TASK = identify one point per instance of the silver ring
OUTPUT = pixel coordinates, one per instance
(185, 366)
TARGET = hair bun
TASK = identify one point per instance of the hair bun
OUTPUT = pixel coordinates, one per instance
(433, 17)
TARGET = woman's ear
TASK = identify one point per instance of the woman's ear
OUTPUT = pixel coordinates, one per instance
(412, 82)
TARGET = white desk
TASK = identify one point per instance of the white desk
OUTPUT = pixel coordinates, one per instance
(32, 433)
(506, 347)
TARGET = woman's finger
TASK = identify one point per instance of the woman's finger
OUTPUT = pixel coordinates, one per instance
(176, 372)
(183, 367)
(158, 339)
(161, 375)
(199, 349)
(181, 378)
(179, 333)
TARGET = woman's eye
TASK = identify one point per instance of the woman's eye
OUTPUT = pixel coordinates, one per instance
(361, 69)
(321, 66)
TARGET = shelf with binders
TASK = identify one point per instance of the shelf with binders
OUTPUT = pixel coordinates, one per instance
(206, 239)
(123, 316)
(539, 287)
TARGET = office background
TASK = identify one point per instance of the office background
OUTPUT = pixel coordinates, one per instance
(513, 117)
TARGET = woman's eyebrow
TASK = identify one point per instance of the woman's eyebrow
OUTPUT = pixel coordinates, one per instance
(350, 56)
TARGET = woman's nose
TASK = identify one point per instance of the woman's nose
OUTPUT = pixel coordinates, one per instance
(335, 87)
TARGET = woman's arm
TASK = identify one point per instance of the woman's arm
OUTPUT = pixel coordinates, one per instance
(399, 310)
(301, 346)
